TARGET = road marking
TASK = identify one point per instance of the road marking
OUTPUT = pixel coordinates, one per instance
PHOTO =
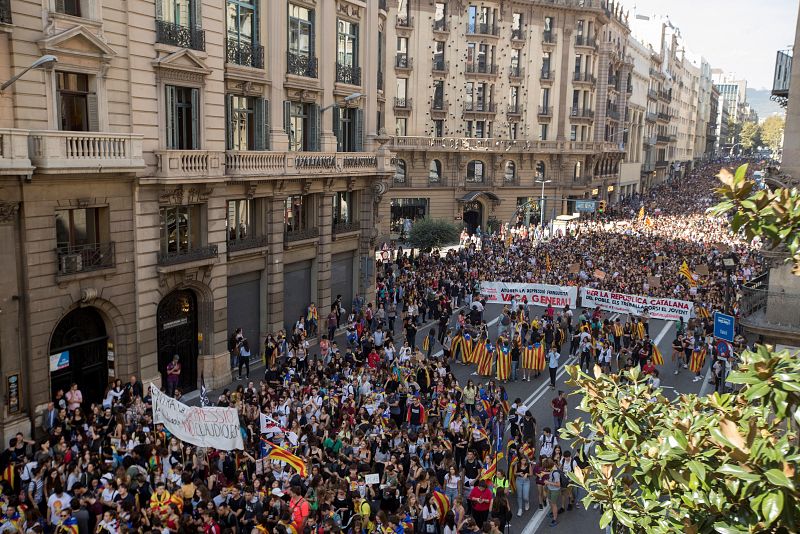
(535, 522)
(706, 385)
(663, 333)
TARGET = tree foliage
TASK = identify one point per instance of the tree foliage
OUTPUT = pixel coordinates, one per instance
(773, 215)
(772, 131)
(431, 233)
(751, 135)
(719, 463)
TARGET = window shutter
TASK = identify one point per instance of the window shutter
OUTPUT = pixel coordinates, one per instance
(313, 128)
(159, 9)
(358, 131)
(60, 111)
(335, 127)
(287, 117)
(267, 143)
(93, 120)
(195, 142)
(197, 15)
(60, 7)
(259, 124)
(171, 98)
(229, 122)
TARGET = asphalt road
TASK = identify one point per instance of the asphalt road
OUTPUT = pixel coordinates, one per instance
(537, 395)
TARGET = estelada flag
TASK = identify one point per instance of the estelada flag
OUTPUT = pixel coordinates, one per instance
(528, 357)
(503, 363)
(641, 213)
(538, 357)
(441, 502)
(688, 274)
(658, 359)
(512, 474)
(483, 357)
(468, 349)
(491, 469)
(274, 452)
(697, 360)
(703, 312)
(426, 343)
(457, 346)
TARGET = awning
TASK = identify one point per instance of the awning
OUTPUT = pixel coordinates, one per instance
(472, 195)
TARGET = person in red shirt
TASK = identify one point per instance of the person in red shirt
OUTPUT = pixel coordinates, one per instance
(480, 499)
(299, 507)
(373, 359)
(648, 367)
(559, 405)
(210, 526)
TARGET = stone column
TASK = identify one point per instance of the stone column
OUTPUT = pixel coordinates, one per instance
(274, 211)
(326, 36)
(325, 222)
(275, 46)
(366, 253)
(369, 76)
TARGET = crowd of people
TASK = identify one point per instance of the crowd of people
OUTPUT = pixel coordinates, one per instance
(388, 439)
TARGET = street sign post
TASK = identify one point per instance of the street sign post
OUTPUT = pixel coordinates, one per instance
(723, 326)
(587, 206)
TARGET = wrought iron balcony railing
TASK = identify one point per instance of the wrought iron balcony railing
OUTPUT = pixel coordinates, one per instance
(402, 102)
(245, 243)
(440, 25)
(74, 259)
(481, 68)
(585, 40)
(440, 65)
(301, 65)
(547, 75)
(348, 74)
(581, 113)
(545, 111)
(290, 236)
(549, 38)
(402, 61)
(183, 36)
(345, 227)
(185, 256)
(246, 54)
(583, 77)
(5, 12)
(483, 28)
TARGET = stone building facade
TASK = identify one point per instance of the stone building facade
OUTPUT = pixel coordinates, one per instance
(493, 104)
(183, 169)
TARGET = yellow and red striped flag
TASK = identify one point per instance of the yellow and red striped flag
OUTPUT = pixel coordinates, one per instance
(658, 358)
(441, 502)
(641, 213)
(688, 274)
(491, 469)
(426, 343)
(697, 360)
(282, 455)
(503, 363)
(483, 357)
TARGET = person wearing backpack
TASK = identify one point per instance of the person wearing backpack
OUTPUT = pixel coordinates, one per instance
(567, 493)
(553, 485)
(547, 442)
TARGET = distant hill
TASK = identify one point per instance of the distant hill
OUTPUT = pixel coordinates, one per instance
(759, 100)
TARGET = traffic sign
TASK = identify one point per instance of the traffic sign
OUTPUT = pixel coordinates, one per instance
(723, 326)
(585, 205)
(724, 349)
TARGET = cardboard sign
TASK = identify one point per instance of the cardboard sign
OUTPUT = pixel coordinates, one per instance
(599, 274)
(702, 269)
(654, 281)
(372, 478)
(659, 260)
(574, 268)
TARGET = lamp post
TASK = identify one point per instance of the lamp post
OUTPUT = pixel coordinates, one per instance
(43, 62)
(728, 265)
(541, 203)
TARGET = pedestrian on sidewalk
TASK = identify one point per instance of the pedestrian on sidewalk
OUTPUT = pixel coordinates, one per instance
(552, 365)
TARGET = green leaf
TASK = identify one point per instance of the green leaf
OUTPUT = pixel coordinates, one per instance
(606, 518)
(777, 477)
(772, 506)
(737, 471)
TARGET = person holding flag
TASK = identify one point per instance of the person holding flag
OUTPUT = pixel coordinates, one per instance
(697, 360)
(688, 274)
(503, 360)
(483, 355)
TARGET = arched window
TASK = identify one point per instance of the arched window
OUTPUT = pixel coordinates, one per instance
(510, 174)
(400, 172)
(435, 172)
(540, 170)
(577, 174)
(475, 172)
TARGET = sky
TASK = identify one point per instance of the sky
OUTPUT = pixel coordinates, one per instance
(739, 36)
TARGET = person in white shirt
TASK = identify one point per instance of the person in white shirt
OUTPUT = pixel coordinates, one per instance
(552, 365)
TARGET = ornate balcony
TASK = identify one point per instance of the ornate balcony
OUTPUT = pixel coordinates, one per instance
(182, 36)
(55, 151)
(549, 38)
(577, 113)
(484, 107)
(514, 110)
(245, 54)
(662, 139)
(74, 259)
(439, 106)
(666, 96)
(652, 94)
(545, 111)
(583, 77)
(483, 28)
(481, 68)
(403, 61)
(246, 243)
(662, 163)
(346, 227)
(404, 21)
(440, 66)
(290, 236)
(517, 35)
(300, 65)
(651, 116)
(440, 26)
(472, 145)
(515, 72)
(612, 114)
(663, 116)
(14, 152)
(190, 163)
(585, 41)
(195, 254)
(770, 304)
(349, 74)
(547, 75)
(403, 103)
(285, 164)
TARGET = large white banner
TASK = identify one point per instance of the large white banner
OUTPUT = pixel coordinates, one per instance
(204, 427)
(658, 307)
(537, 294)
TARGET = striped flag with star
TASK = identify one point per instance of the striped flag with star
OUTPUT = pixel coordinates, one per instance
(641, 214)
(697, 360)
(658, 358)
(688, 274)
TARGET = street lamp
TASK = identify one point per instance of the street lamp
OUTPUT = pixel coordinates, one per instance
(43, 62)
(541, 203)
(728, 265)
(347, 100)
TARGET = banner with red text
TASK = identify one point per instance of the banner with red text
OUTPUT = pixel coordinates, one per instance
(536, 294)
(657, 307)
(204, 427)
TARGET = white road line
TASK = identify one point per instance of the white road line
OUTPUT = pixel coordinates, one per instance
(535, 522)
(663, 333)
(706, 385)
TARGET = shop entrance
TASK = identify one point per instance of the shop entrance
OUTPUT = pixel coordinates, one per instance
(473, 216)
(177, 334)
(79, 354)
